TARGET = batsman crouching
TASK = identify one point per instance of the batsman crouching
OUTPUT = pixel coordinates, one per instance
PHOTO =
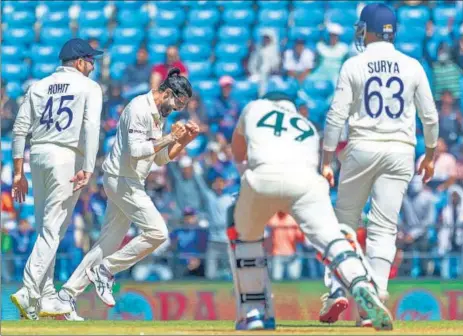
(281, 148)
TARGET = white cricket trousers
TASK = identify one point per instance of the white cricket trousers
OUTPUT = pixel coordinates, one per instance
(301, 193)
(128, 203)
(52, 168)
(382, 170)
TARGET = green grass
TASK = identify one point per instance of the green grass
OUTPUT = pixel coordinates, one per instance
(52, 327)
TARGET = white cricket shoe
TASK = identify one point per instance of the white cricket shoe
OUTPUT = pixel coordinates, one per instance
(52, 306)
(333, 305)
(103, 282)
(366, 297)
(27, 307)
(254, 321)
(73, 316)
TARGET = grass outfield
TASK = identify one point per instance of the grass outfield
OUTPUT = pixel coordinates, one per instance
(51, 327)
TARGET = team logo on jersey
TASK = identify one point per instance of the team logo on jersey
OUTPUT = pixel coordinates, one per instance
(387, 28)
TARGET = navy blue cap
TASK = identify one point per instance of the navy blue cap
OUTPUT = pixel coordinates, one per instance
(379, 19)
(76, 48)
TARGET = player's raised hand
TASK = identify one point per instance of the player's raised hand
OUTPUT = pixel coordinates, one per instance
(20, 188)
(80, 180)
(328, 174)
(426, 166)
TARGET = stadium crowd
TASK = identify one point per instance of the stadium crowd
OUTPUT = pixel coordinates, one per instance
(232, 51)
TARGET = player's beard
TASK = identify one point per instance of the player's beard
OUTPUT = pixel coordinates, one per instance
(166, 108)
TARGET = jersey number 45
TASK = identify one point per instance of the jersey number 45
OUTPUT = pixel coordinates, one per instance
(47, 115)
(278, 128)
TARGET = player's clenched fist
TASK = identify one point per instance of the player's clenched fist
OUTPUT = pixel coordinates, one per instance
(192, 131)
(327, 173)
(178, 130)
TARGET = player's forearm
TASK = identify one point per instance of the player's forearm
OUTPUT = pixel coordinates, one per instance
(175, 149)
(140, 148)
(327, 157)
(19, 144)
(331, 137)
(18, 166)
(431, 134)
(91, 136)
(429, 154)
(163, 142)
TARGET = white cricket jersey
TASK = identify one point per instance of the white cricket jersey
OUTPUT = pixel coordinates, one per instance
(276, 134)
(62, 109)
(133, 153)
(379, 92)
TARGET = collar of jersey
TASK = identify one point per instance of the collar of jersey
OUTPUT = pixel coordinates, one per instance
(152, 104)
(63, 68)
(380, 45)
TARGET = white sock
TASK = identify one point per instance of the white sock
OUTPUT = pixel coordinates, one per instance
(382, 268)
(335, 284)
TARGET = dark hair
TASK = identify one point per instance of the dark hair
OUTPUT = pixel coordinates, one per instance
(278, 95)
(178, 84)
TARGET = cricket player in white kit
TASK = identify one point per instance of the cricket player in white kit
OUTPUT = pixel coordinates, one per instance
(139, 143)
(281, 149)
(63, 113)
(379, 92)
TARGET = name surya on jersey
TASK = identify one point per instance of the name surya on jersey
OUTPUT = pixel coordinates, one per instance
(383, 66)
(58, 88)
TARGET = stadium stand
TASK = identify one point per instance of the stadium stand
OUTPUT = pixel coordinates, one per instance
(215, 39)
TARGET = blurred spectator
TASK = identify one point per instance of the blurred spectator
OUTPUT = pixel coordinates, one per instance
(458, 49)
(197, 112)
(114, 103)
(8, 110)
(265, 59)
(331, 54)
(136, 78)
(419, 212)
(189, 243)
(446, 73)
(23, 239)
(450, 236)
(226, 109)
(96, 73)
(299, 61)
(186, 190)
(158, 189)
(450, 119)
(285, 236)
(444, 167)
(97, 207)
(216, 203)
(8, 210)
(159, 71)
(6, 247)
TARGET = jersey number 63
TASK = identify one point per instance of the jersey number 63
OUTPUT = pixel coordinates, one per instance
(368, 94)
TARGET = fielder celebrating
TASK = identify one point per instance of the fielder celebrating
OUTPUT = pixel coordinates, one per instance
(378, 92)
(281, 149)
(139, 143)
(63, 113)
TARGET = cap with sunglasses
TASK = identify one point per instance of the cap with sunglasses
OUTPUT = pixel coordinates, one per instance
(77, 48)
